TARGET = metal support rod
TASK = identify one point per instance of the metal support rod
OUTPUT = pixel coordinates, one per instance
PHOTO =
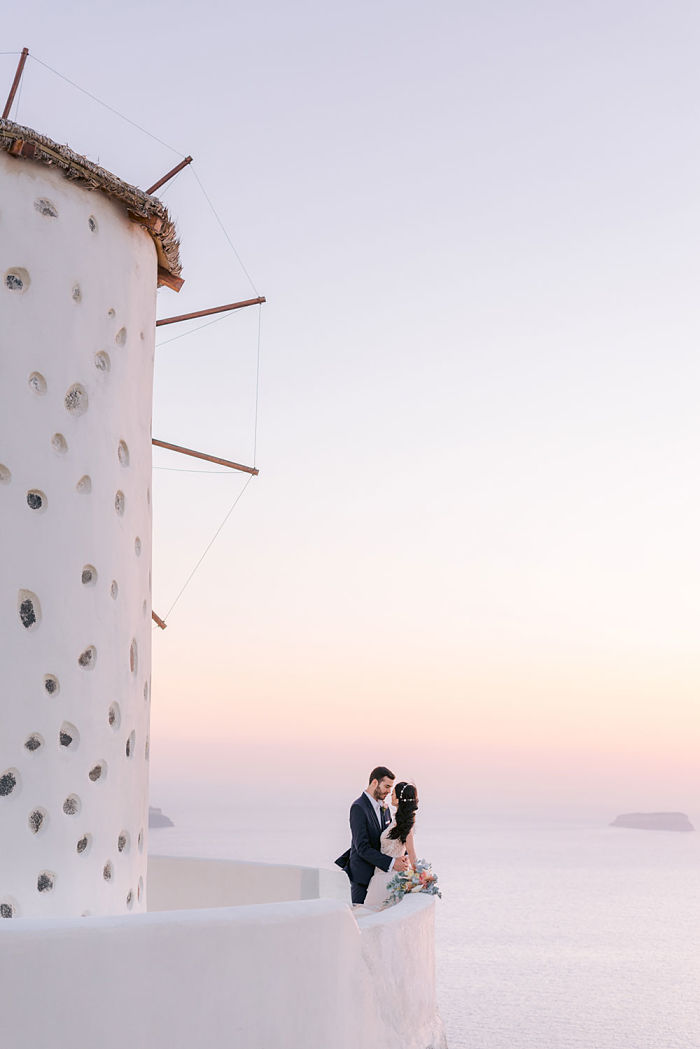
(15, 83)
(209, 458)
(214, 309)
(171, 174)
(156, 619)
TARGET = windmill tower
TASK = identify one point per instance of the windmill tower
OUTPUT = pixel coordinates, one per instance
(81, 256)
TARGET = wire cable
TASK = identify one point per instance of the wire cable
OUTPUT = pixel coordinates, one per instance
(207, 324)
(111, 109)
(224, 230)
(208, 547)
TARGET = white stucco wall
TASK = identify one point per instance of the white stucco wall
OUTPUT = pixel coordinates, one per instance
(183, 883)
(297, 975)
(77, 315)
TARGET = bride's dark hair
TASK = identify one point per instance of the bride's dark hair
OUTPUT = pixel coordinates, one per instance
(407, 797)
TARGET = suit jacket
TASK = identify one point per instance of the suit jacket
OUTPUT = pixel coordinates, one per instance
(364, 853)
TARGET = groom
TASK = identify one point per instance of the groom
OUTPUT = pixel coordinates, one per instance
(368, 818)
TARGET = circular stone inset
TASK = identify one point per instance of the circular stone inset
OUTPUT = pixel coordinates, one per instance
(46, 207)
(16, 279)
(76, 399)
(88, 658)
(37, 383)
(37, 819)
(84, 485)
(36, 500)
(51, 684)
(139, 891)
(123, 453)
(103, 361)
(82, 846)
(88, 576)
(92, 223)
(114, 590)
(114, 716)
(46, 881)
(5, 475)
(140, 841)
(123, 841)
(59, 443)
(98, 772)
(108, 871)
(33, 742)
(133, 656)
(8, 908)
(120, 337)
(119, 503)
(130, 747)
(76, 293)
(72, 805)
(9, 780)
(29, 609)
(137, 546)
(129, 900)
(68, 736)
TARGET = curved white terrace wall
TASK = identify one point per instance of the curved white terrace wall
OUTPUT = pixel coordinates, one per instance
(184, 883)
(300, 975)
(77, 315)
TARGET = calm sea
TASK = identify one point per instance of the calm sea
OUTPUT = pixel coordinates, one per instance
(550, 935)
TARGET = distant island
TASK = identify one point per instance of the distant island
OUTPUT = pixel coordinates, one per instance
(157, 818)
(654, 821)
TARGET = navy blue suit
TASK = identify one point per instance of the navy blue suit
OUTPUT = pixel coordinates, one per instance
(364, 854)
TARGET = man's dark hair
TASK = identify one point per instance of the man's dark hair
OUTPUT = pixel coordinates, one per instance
(380, 772)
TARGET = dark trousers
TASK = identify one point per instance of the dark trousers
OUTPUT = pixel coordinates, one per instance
(358, 892)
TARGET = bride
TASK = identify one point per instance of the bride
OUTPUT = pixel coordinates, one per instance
(396, 840)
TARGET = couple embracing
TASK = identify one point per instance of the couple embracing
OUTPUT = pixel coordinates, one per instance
(382, 844)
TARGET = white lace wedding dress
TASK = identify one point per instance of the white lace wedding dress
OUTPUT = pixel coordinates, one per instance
(377, 889)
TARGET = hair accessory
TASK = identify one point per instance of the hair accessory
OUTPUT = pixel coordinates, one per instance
(403, 789)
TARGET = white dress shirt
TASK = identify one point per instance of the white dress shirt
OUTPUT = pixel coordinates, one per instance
(378, 809)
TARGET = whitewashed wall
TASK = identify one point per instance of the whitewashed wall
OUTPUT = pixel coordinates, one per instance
(298, 975)
(182, 883)
(77, 316)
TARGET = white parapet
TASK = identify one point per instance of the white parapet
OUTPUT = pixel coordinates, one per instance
(77, 324)
(301, 974)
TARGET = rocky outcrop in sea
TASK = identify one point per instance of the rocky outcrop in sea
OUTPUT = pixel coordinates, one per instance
(654, 821)
(157, 818)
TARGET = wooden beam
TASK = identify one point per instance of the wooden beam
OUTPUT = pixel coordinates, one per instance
(15, 83)
(156, 619)
(213, 309)
(154, 223)
(169, 280)
(209, 458)
(170, 174)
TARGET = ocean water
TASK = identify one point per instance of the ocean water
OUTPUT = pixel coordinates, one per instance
(550, 934)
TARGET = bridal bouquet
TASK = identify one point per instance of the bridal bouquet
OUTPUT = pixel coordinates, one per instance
(420, 879)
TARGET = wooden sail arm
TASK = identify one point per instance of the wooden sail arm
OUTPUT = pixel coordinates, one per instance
(171, 174)
(15, 83)
(156, 619)
(209, 458)
(213, 309)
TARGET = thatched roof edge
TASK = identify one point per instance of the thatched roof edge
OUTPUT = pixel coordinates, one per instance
(35, 146)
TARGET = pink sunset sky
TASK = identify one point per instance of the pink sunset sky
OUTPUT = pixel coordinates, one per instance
(471, 551)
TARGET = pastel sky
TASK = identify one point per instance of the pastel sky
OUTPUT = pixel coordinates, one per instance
(472, 550)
